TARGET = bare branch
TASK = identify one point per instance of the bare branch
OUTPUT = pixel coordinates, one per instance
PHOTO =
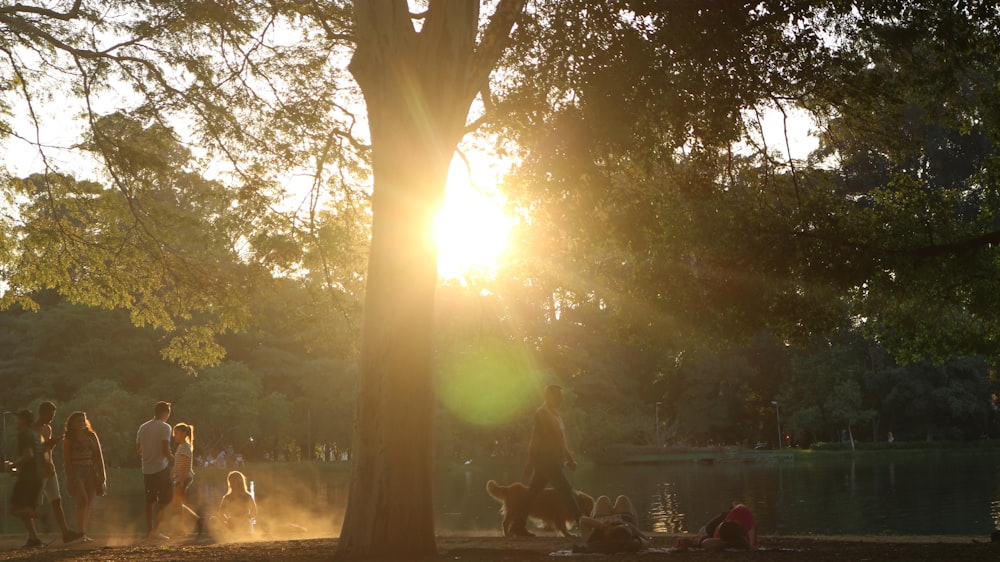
(494, 42)
(73, 13)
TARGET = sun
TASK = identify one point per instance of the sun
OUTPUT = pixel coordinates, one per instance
(472, 228)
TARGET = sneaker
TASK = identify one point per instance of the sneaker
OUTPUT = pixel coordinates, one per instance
(70, 536)
(157, 537)
(33, 543)
(86, 538)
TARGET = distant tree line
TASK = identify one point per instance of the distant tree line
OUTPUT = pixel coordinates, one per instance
(283, 393)
(275, 396)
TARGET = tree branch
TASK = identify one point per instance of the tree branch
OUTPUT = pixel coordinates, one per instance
(495, 40)
(379, 26)
(73, 13)
(960, 247)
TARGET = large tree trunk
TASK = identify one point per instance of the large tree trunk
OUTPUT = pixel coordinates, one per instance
(390, 502)
(418, 87)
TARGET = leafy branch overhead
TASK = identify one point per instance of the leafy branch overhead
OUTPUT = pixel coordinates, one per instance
(186, 203)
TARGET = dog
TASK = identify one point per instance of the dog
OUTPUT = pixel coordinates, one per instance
(547, 507)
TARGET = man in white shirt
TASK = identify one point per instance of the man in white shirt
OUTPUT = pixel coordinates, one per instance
(153, 443)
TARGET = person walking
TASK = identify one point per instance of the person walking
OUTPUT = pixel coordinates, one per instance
(26, 494)
(153, 444)
(182, 474)
(83, 462)
(547, 453)
(50, 481)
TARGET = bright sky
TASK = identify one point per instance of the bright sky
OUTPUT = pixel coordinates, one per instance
(799, 141)
(473, 229)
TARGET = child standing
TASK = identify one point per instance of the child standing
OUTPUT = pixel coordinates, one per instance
(183, 473)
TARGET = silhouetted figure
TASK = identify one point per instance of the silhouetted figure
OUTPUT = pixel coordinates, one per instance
(50, 483)
(26, 495)
(238, 509)
(153, 443)
(547, 453)
(83, 462)
(183, 474)
(736, 528)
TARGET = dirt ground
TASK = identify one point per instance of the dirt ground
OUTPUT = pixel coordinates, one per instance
(499, 549)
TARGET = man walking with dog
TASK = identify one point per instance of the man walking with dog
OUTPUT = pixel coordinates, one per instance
(547, 454)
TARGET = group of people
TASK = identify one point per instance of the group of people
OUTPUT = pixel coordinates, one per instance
(167, 475)
(609, 527)
(83, 465)
(168, 472)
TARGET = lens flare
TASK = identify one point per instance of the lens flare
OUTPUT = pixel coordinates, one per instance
(490, 384)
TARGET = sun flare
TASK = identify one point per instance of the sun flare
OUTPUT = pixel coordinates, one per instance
(472, 230)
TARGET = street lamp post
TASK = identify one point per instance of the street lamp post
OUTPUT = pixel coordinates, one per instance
(3, 440)
(777, 414)
(657, 419)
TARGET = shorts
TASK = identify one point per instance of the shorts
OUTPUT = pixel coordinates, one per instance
(158, 487)
(84, 482)
(185, 483)
(51, 488)
(27, 493)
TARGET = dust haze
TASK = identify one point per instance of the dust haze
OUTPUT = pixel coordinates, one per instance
(291, 504)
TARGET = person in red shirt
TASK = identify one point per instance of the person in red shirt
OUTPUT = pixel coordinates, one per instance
(736, 528)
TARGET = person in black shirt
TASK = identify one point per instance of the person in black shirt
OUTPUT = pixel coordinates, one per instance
(547, 454)
(26, 495)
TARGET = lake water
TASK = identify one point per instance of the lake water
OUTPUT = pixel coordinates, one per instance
(944, 493)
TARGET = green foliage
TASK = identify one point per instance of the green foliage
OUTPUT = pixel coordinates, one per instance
(823, 393)
(112, 412)
(599, 429)
(930, 402)
(125, 217)
(706, 394)
(96, 361)
(628, 121)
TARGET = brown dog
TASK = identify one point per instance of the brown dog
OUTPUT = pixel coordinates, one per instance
(547, 506)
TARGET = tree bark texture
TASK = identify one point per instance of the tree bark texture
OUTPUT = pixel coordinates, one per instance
(418, 86)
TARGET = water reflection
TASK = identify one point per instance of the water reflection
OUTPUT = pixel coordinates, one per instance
(948, 494)
(665, 512)
(995, 504)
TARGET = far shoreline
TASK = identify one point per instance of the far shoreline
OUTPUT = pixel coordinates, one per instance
(494, 548)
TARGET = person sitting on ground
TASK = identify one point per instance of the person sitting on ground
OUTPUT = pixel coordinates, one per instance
(238, 510)
(612, 528)
(736, 528)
